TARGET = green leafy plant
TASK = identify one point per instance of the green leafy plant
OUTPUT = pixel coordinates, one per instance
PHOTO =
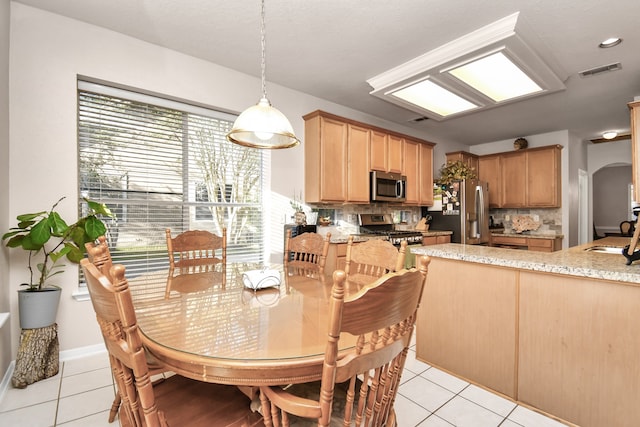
(456, 170)
(48, 235)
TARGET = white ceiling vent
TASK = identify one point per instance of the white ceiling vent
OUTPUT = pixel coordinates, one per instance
(602, 69)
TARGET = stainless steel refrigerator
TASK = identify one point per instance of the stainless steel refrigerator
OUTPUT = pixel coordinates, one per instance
(465, 211)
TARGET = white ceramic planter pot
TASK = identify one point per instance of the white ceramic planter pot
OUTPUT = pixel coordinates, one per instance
(38, 309)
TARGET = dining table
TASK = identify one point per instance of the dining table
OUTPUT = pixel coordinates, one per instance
(212, 326)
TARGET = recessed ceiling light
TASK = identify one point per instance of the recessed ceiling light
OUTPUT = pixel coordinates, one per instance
(433, 97)
(497, 77)
(610, 42)
(610, 134)
(453, 67)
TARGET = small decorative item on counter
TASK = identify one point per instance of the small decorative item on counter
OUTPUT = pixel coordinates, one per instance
(299, 217)
(456, 170)
(324, 221)
(521, 223)
(520, 143)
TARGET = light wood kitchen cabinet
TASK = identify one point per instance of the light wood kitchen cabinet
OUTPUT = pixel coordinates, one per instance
(396, 146)
(386, 152)
(435, 240)
(336, 160)
(543, 177)
(469, 159)
(570, 352)
(538, 244)
(340, 153)
(578, 347)
(418, 168)
(379, 148)
(467, 326)
(490, 171)
(336, 257)
(411, 154)
(425, 173)
(634, 108)
(358, 164)
(528, 178)
(513, 177)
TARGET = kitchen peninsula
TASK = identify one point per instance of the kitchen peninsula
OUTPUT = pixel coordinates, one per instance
(554, 331)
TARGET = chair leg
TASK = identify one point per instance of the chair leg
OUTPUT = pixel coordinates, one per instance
(114, 408)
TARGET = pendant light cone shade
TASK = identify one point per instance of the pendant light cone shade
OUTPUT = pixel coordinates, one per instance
(263, 126)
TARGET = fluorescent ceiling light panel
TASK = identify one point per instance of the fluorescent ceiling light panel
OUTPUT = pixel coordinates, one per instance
(497, 77)
(508, 43)
(433, 97)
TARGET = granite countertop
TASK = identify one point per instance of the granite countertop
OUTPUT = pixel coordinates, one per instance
(429, 233)
(357, 238)
(574, 261)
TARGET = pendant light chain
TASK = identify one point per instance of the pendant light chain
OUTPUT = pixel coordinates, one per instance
(263, 63)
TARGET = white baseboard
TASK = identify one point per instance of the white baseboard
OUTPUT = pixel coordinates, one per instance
(81, 352)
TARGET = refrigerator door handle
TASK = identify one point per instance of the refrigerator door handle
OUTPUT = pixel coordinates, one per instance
(480, 209)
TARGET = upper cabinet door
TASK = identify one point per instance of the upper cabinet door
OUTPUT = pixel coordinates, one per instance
(425, 171)
(379, 151)
(411, 170)
(489, 170)
(333, 160)
(543, 177)
(358, 164)
(396, 146)
(514, 180)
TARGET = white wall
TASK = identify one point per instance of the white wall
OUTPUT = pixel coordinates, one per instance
(598, 157)
(48, 52)
(5, 336)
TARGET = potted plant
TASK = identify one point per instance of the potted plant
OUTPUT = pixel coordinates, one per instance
(45, 235)
(455, 170)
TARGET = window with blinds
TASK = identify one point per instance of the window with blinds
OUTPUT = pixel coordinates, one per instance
(161, 164)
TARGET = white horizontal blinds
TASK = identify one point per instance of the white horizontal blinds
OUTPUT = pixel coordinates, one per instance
(161, 167)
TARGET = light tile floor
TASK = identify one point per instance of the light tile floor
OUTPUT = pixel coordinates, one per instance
(82, 393)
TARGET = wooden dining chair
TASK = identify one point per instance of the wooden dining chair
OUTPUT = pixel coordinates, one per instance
(627, 228)
(369, 260)
(307, 250)
(99, 255)
(196, 248)
(174, 401)
(359, 384)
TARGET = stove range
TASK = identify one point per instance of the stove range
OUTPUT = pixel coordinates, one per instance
(382, 224)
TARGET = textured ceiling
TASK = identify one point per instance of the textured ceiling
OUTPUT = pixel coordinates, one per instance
(329, 48)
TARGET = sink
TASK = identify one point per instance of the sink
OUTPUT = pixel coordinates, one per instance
(605, 249)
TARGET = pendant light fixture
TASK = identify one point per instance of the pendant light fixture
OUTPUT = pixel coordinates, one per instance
(263, 126)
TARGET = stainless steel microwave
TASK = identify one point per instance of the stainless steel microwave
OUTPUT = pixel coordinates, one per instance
(388, 187)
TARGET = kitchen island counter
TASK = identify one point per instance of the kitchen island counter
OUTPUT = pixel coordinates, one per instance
(574, 261)
(556, 332)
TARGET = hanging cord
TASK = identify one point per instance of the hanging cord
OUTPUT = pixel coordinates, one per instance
(263, 63)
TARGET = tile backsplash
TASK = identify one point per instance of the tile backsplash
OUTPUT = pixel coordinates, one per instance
(345, 217)
(550, 219)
